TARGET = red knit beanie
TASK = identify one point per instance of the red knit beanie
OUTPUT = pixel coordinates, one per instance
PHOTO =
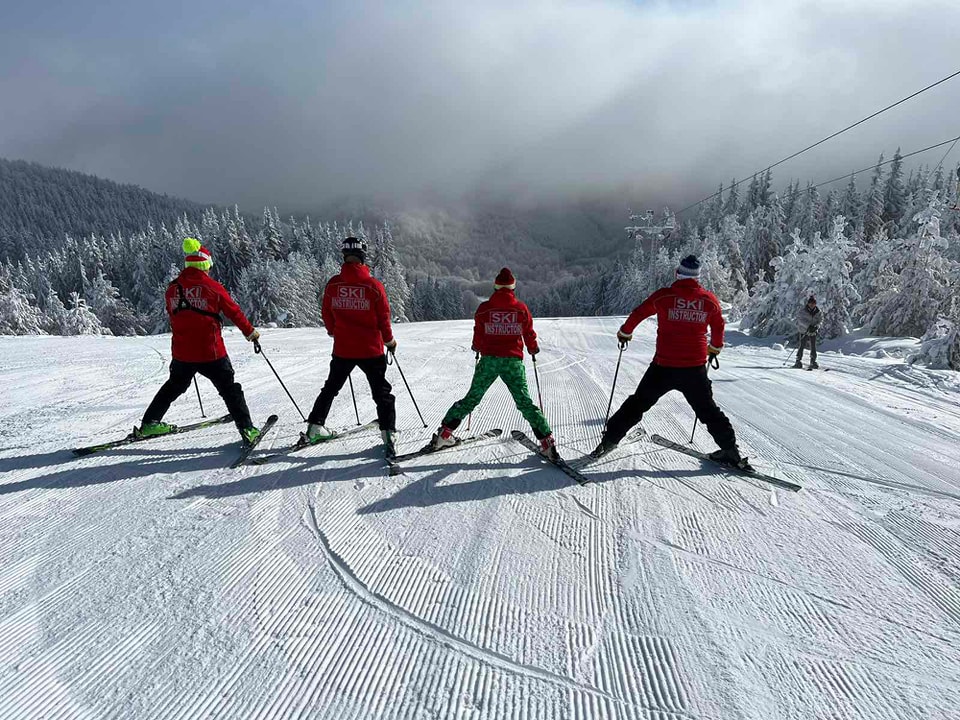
(505, 280)
(197, 256)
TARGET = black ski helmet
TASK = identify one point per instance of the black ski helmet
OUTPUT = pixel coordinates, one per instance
(355, 247)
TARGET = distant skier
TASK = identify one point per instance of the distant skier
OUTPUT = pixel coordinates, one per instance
(808, 324)
(684, 312)
(356, 314)
(194, 302)
(501, 327)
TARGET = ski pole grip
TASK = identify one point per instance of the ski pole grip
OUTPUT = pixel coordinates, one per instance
(256, 347)
(714, 362)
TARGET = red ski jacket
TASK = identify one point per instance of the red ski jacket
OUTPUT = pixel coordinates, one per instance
(196, 321)
(356, 313)
(502, 325)
(684, 311)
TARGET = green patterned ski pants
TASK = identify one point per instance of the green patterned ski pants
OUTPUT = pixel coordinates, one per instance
(514, 374)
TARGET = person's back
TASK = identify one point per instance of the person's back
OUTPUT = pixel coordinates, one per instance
(356, 313)
(502, 325)
(194, 303)
(685, 312)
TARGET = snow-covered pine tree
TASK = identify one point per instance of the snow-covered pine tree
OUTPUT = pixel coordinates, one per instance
(114, 312)
(731, 206)
(385, 265)
(54, 314)
(17, 315)
(307, 285)
(939, 346)
(851, 206)
(895, 196)
(265, 293)
(81, 320)
(912, 282)
(270, 239)
(873, 207)
(236, 251)
(210, 231)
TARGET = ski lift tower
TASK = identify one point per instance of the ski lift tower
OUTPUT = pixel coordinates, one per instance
(647, 230)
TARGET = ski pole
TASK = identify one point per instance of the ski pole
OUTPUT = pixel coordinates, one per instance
(623, 346)
(536, 376)
(353, 395)
(197, 386)
(259, 351)
(713, 361)
(392, 358)
(800, 343)
(476, 359)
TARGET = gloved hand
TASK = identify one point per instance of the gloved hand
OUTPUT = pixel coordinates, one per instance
(714, 351)
(392, 345)
(254, 336)
(624, 337)
(535, 351)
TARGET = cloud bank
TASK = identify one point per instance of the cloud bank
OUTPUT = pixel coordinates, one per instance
(242, 102)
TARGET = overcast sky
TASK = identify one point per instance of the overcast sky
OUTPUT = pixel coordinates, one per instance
(293, 103)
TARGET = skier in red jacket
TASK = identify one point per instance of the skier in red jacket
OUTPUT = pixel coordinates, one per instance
(501, 327)
(684, 312)
(194, 302)
(356, 313)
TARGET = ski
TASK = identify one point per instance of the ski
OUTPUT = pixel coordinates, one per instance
(560, 463)
(302, 444)
(429, 450)
(247, 449)
(132, 438)
(631, 437)
(779, 482)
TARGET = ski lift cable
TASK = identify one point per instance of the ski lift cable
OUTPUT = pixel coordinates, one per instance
(830, 137)
(887, 162)
(949, 150)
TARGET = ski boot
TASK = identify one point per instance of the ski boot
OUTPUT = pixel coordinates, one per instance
(798, 365)
(603, 448)
(548, 446)
(153, 429)
(731, 456)
(442, 438)
(250, 435)
(316, 432)
(814, 365)
(389, 442)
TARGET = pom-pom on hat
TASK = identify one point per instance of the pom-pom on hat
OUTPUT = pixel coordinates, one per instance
(197, 255)
(689, 267)
(505, 280)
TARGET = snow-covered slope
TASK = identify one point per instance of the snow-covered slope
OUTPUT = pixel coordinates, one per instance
(152, 582)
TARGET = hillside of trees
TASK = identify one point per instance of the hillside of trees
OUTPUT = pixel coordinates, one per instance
(883, 256)
(40, 206)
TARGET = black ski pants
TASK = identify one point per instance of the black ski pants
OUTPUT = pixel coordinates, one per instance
(219, 372)
(804, 339)
(375, 369)
(692, 382)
